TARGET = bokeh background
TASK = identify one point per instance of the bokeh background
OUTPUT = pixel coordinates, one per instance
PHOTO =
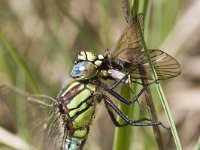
(39, 41)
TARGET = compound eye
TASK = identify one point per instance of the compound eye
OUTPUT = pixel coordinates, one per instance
(84, 70)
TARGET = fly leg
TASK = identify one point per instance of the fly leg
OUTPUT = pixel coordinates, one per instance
(112, 109)
(142, 90)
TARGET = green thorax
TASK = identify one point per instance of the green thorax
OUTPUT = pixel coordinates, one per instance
(76, 104)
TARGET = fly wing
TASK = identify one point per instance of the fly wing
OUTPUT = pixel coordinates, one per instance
(129, 42)
(165, 66)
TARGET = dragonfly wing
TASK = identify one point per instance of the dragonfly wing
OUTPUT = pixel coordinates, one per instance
(47, 125)
(165, 66)
(129, 41)
(40, 114)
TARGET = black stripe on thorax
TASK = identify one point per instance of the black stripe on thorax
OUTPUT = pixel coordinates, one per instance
(80, 112)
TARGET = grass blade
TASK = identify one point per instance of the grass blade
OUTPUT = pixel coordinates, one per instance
(123, 135)
(198, 144)
(18, 60)
(162, 96)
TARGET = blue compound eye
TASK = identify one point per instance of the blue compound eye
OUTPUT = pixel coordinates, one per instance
(84, 70)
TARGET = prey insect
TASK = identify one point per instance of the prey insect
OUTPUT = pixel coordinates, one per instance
(124, 63)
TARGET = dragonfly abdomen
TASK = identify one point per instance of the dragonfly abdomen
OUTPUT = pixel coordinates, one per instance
(74, 143)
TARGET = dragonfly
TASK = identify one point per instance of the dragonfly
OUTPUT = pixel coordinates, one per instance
(124, 60)
(67, 119)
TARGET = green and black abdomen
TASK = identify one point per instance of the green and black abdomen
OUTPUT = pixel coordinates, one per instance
(77, 108)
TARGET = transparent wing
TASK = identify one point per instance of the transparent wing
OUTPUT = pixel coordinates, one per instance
(48, 122)
(129, 42)
(165, 66)
(41, 115)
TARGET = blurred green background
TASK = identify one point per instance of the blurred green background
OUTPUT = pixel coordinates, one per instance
(39, 41)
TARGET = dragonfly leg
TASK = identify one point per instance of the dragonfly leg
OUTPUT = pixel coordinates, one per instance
(113, 93)
(117, 124)
(124, 77)
(143, 89)
(122, 99)
(135, 96)
(119, 81)
(119, 97)
(112, 109)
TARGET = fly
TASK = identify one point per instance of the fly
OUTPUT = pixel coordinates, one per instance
(125, 62)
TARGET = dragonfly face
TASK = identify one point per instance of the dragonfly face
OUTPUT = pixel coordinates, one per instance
(87, 66)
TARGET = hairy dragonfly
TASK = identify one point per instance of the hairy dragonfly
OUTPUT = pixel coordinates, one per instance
(67, 119)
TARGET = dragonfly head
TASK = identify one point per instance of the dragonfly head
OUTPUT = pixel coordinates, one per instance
(86, 66)
(84, 70)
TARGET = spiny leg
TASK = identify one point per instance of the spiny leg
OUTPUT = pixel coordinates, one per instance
(119, 81)
(113, 117)
(112, 107)
(124, 77)
(119, 97)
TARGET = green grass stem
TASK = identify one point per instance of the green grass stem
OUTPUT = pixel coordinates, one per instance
(162, 95)
(197, 147)
(123, 135)
(18, 60)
